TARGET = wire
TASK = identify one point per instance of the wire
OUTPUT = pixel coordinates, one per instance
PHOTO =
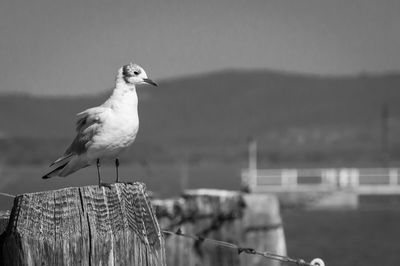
(251, 251)
(7, 195)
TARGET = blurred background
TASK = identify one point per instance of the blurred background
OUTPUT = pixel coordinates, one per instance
(316, 83)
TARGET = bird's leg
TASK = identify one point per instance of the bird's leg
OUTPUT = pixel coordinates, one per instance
(116, 168)
(98, 175)
(98, 170)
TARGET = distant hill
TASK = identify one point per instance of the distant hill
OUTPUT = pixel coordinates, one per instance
(296, 118)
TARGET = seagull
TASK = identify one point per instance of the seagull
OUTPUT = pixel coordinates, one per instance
(103, 132)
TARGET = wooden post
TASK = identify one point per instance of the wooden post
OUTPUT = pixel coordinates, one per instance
(248, 220)
(263, 228)
(83, 226)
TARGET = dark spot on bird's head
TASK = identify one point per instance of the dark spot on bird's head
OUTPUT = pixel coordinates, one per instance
(131, 70)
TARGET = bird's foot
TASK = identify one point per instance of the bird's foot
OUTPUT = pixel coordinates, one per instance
(108, 185)
(122, 182)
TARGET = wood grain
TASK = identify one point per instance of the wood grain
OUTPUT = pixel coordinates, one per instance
(84, 226)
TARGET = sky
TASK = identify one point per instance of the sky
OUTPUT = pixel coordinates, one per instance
(50, 47)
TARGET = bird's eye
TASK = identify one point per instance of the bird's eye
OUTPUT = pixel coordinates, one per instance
(136, 72)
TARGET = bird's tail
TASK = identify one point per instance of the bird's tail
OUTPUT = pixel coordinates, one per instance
(58, 165)
(54, 172)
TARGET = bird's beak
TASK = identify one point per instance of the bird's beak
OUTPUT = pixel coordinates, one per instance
(149, 81)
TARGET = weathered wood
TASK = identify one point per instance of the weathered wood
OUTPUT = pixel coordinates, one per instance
(263, 228)
(4, 217)
(248, 220)
(83, 226)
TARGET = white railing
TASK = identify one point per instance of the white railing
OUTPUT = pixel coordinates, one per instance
(364, 180)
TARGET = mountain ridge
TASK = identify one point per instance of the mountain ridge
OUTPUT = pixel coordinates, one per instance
(213, 114)
(227, 71)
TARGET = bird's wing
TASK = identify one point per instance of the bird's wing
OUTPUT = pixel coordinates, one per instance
(62, 159)
(89, 117)
(87, 125)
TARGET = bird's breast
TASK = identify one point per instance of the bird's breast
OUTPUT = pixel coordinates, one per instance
(124, 127)
(117, 132)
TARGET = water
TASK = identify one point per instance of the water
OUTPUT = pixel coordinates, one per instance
(164, 180)
(356, 238)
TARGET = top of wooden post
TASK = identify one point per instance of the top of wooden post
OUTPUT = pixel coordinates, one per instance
(88, 225)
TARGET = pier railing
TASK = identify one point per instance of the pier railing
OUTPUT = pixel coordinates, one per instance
(361, 180)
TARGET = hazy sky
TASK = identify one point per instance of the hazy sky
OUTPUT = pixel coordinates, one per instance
(76, 46)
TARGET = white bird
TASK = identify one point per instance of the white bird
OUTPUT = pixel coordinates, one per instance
(104, 131)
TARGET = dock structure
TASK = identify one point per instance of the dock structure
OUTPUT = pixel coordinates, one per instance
(89, 225)
(247, 220)
(323, 187)
(364, 181)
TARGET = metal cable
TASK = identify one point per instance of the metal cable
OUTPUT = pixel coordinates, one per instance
(251, 251)
(7, 195)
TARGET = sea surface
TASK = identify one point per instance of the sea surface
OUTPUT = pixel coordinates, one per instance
(163, 180)
(344, 238)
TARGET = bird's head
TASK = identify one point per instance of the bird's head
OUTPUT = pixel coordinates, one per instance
(133, 74)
